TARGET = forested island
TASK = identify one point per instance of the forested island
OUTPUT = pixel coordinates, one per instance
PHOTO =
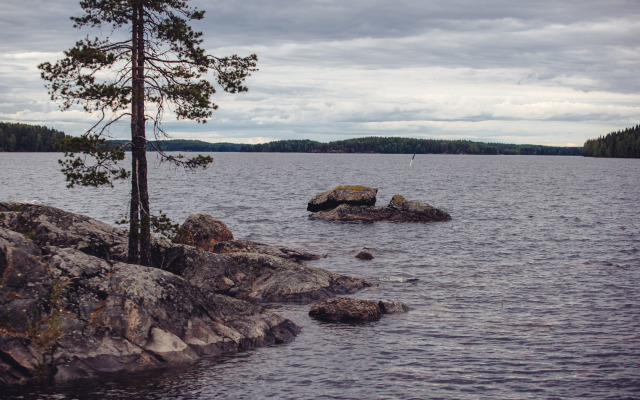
(372, 144)
(398, 145)
(24, 137)
(17, 137)
(184, 145)
(620, 144)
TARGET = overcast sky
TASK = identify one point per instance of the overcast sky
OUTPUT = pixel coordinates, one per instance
(552, 72)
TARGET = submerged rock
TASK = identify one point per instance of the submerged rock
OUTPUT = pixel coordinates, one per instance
(350, 310)
(356, 195)
(346, 310)
(393, 306)
(364, 254)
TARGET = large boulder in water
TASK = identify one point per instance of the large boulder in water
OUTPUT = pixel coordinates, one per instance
(398, 210)
(356, 195)
(203, 231)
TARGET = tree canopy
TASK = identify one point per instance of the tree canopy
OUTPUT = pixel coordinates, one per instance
(154, 65)
(24, 137)
(621, 144)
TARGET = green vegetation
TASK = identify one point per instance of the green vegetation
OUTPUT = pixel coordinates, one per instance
(23, 137)
(621, 144)
(44, 331)
(396, 145)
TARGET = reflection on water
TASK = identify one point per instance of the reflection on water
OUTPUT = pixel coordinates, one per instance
(531, 291)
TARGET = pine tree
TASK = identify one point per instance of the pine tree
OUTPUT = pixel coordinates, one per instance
(158, 67)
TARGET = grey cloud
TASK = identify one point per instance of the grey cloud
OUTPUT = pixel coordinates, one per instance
(316, 49)
(37, 25)
(605, 53)
(313, 20)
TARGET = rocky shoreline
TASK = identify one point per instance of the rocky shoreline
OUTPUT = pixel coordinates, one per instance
(71, 307)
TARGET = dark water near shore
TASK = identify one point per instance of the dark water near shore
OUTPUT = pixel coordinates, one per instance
(532, 291)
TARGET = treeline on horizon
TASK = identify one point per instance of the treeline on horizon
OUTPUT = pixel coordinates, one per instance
(397, 145)
(620, 144)
(184, 145)
(373, 144)
(29, 138)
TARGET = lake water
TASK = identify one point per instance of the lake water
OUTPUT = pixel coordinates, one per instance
(532, 291)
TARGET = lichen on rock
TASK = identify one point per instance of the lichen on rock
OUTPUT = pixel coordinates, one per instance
(70, 306)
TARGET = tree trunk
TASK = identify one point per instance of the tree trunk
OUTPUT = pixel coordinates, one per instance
(145, 216)
(134, 225)
(140, 219)
(134, 215)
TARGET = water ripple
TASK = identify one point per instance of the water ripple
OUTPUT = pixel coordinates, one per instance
(531, 291)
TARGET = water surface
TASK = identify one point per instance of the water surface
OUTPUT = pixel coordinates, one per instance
(530, 292)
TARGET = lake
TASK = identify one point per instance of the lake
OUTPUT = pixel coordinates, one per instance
(530, 292)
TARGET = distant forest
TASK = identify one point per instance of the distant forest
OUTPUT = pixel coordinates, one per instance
(621, 144)
(372, 144)
(185, 145)
(395, 145)
(23, 137)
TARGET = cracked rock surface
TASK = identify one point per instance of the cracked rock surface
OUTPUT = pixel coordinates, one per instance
(74, 315)
(71, 307)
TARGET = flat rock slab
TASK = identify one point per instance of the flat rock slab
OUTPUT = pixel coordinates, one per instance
(248, 246)
(257, 277)
(250, 270)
